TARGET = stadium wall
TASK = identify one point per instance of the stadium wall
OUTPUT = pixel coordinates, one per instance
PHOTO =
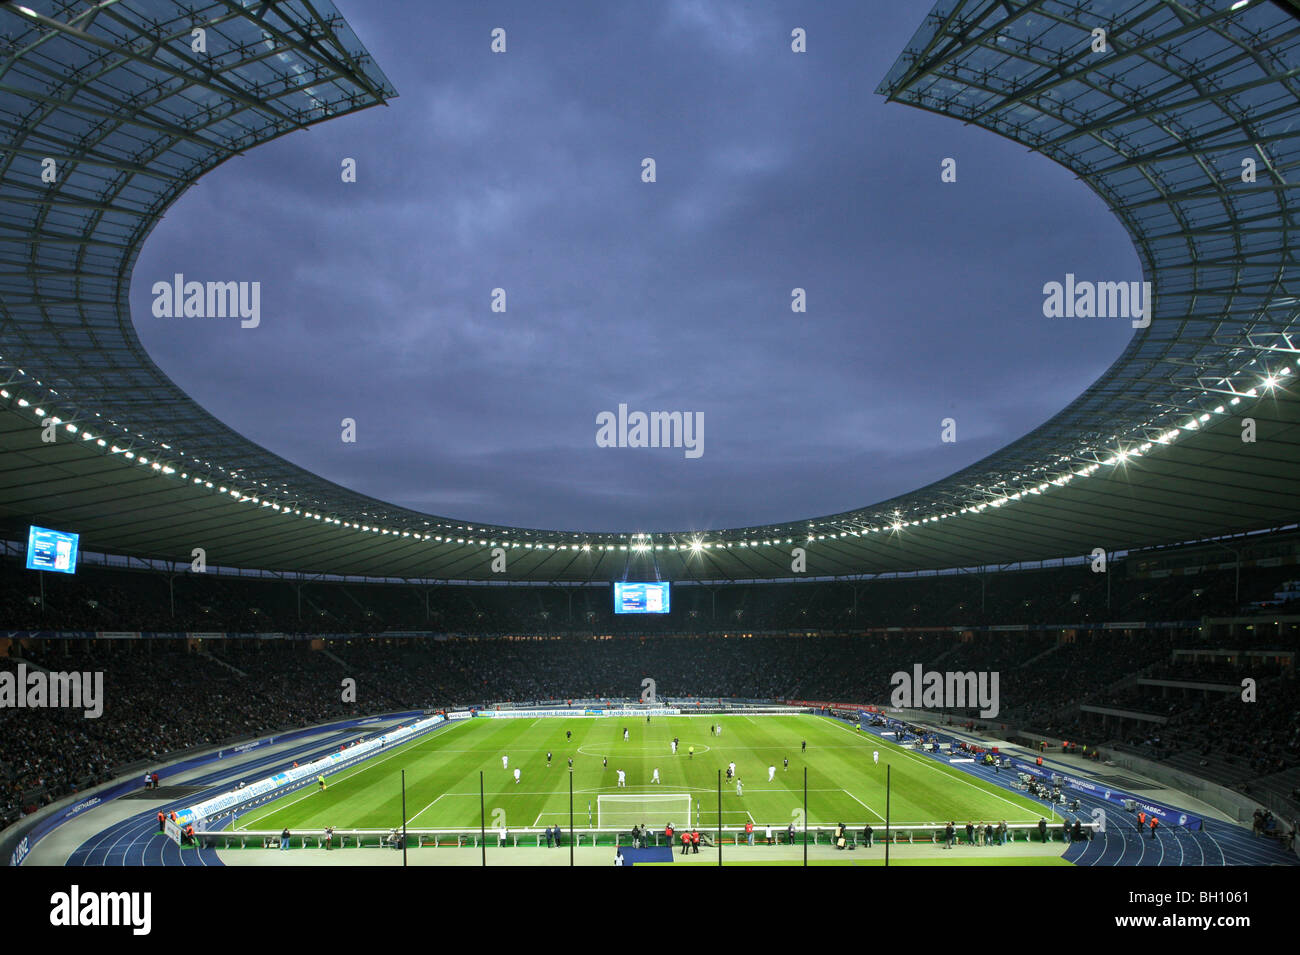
(17, 842)
(1231, 803)
(1234, 805)
(575, 712)
(232, 801)
(1044, 628)
(1165, 814)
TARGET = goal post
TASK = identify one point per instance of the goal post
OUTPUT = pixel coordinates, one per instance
(656, 810)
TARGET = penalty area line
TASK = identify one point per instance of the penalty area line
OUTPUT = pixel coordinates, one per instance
(954, 774)
(423, 811)
(863, 804)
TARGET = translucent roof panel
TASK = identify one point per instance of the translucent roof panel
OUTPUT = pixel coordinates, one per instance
(1160, 124)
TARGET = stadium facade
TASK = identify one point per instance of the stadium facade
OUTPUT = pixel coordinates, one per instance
(1161, 121)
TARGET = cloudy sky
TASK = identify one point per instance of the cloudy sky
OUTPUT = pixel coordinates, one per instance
(522, 171)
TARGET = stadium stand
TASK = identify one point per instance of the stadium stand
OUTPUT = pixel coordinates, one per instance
(254, 683)
(105, 598)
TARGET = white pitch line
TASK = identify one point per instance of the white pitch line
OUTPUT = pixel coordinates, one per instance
(726, 812)
(613, 790)
(422, 811)
(360, 767)
(863, 804)
(931, 763)
(245, 820)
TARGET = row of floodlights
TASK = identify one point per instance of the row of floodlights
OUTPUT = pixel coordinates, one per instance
(641, 542)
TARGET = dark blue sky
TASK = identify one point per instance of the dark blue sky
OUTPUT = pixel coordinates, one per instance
(522, 171)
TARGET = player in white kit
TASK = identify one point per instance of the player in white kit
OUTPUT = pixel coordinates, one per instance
(655, 779)
(505, 762)
(622, 778)
(674, 747)
(771, 773)
(516, 777)
(875, 756)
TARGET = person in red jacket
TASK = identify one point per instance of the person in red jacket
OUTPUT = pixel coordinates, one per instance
(1154, 822)
(162, 821)
(686, 842)
(695, 841)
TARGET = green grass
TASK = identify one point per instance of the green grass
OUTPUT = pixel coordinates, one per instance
(442, 777)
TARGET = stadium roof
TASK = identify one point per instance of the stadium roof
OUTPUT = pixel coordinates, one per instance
(1158, 125)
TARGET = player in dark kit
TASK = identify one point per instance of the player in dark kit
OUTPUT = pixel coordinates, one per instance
(787, 763)
(803, 745)
(568, 734)
(548, 759)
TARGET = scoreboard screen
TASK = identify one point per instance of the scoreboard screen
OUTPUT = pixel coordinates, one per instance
(51, 550)
(641, 598)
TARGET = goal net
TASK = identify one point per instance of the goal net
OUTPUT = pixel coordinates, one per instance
(655, 810)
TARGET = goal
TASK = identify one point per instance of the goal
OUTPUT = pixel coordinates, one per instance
(623, 811)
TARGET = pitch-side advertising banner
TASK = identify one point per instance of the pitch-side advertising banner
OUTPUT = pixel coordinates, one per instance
(327, 764)
(536, 714)
(1165, 814)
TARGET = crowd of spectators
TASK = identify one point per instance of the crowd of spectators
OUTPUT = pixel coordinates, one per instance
(811, 641)
(103, 598)
(1248, 739)
(163, 696)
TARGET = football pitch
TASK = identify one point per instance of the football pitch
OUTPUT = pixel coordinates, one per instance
(844, 784)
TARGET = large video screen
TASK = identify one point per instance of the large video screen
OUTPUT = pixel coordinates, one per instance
(51, 550)
(640, 598)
